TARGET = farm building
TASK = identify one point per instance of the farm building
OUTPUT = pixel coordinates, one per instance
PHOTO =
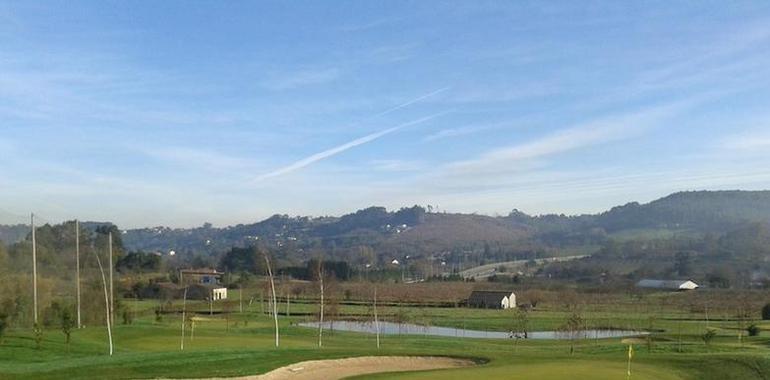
(678, 285)
(206, 292)
(203, 284)
(200, 276)
(492, 299)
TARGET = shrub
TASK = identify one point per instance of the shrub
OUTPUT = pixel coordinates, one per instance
(753, 330)
(708, 336)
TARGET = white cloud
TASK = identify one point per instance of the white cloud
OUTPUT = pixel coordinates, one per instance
(748, 142)
(584, 135)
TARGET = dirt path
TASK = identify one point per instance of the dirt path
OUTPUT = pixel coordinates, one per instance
(341, 368)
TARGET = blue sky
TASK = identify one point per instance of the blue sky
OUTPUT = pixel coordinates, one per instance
(178, 113)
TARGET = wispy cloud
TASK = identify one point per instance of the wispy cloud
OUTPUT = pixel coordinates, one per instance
(341, 148)
(197, 158)
(463, 131)
(748, 142)
(396, 165)
(301, 78)
(583, 135)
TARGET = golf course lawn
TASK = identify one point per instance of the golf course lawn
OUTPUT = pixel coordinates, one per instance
(244, 344)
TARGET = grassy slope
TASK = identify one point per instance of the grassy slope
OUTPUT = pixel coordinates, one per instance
(147, 349)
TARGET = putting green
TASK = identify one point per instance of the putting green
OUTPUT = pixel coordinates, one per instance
(566, 369)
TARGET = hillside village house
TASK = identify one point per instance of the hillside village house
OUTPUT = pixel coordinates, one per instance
(492, 299)
(203, 284)
(676, 285)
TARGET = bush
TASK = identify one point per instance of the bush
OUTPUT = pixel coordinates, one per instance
(753, 330)
(766, 312)
(708, 336)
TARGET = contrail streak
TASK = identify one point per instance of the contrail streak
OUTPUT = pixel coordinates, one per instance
(341, 148)
(402, 105)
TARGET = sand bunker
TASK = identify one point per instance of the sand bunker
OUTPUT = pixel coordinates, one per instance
(342, 368)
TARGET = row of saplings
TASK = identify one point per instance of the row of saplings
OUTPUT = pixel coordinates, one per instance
(54, 316)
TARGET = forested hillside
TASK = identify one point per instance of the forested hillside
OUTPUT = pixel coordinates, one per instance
(710, 225)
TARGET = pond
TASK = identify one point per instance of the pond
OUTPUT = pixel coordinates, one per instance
(390, 328)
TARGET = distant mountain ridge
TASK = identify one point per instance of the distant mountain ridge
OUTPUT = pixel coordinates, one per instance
(414, 230)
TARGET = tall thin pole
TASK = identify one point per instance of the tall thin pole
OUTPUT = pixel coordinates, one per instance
(106, 302)
(184, 308)
(34, 268)
(321, 314)
(77, 267)
(376, 321)
(275, 302)
(112, 294)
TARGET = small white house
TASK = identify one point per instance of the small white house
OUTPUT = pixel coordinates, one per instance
(492, 299)
(219, 293)
(677, 285)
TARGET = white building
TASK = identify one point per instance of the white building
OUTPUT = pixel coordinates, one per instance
(678, 285)
(492, 299)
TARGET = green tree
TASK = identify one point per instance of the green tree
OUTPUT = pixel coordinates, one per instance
(37, 332)
(67, 324)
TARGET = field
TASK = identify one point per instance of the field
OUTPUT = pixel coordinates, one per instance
(243, 343)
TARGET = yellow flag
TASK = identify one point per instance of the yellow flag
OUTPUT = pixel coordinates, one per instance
(630, 351)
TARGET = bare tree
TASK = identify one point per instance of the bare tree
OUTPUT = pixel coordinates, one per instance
(520, 325)
(573, 327)
(275, 303)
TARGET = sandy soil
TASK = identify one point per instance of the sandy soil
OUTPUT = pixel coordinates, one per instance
(342, 368)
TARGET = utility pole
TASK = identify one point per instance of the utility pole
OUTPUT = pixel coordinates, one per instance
(34, 269)
(112, 294)
(77, 266)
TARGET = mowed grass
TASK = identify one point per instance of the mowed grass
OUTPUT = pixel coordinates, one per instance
(243, 344)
